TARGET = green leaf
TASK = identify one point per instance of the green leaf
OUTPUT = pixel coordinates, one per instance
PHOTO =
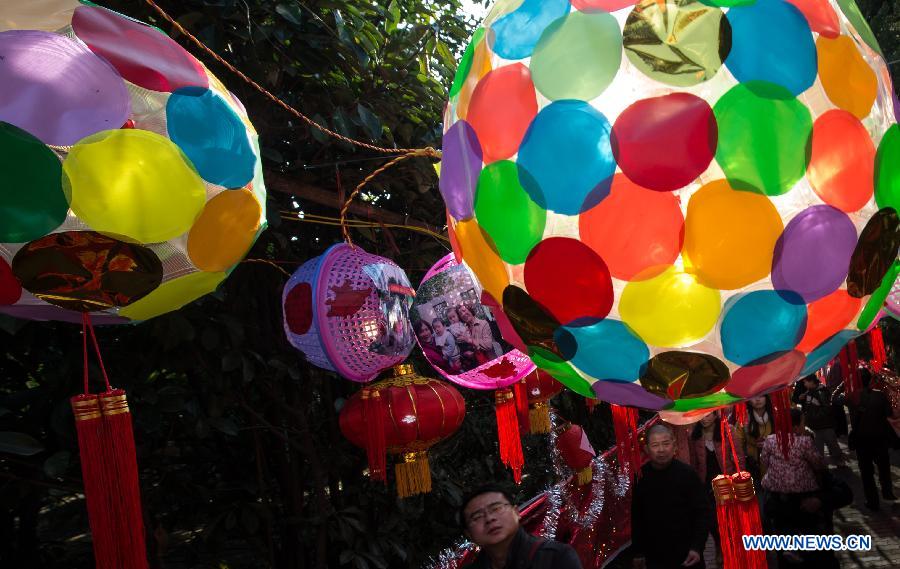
(57, 464)
(291, 13)
(446, 57)
(19, 443)
(370, 122)
(393, 18)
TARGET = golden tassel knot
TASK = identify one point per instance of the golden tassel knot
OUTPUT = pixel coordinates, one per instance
(585, 475)
(723, 489)
(114, 403)
(403, 369)
(503, 395)
(413, 474)
(743, 487)
(86, 407)
(539, 418)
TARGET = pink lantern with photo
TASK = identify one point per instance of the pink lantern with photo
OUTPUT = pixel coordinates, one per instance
(466, 342)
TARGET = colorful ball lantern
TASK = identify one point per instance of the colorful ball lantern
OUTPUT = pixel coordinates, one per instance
(892, 303)
(134, 176)
(540, 388)
(676, 221)
(404, 415)
(462, 339)
(348, 311)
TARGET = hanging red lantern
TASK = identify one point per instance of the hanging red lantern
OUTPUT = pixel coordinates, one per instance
(404, 415)
(576, 450)
(540, 387)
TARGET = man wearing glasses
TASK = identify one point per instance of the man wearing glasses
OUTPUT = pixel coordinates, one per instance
(491, 522)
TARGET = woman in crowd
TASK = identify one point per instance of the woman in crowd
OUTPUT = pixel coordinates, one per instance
(708, 460)
(794, 500)
(760, 424)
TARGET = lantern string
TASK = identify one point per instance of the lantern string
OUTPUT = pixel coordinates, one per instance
(336, 221)
(181, 29)
(427, 152)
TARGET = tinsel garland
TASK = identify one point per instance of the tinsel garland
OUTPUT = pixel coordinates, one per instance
(451, 557)
(562, 493)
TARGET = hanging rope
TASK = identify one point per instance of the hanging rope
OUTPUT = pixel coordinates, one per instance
(269, 95)
(427, 152)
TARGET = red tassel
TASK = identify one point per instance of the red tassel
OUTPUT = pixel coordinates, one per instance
(123, 490)
(748, 521)
(89, 426)
(781, 409)
(508, 432)
(591, 404)
(740, 415)
(520, 390)
(723, 491)
(376, 445)
(879, 354)
(628, 453)
(109, 467)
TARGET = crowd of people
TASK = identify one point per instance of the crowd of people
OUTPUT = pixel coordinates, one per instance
(459, 342)
(798, 493)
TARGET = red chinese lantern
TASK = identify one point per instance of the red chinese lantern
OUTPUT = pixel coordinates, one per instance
(404, 415)
(576, 450)
(540, 387)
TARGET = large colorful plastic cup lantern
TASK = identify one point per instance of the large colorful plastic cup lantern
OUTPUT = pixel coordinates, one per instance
(348, 312)
(403, 415)
(892, 303)
(461, 338)
(132, 181)
(676, 219)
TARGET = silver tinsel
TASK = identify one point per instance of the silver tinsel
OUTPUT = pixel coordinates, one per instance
(451, 557)
(560, 494)
(551, 516)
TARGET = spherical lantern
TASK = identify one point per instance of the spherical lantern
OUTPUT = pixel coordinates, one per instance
(540, 388)
(676, 219)
(404, 415)
(133, 176)
(348, 312)
(892, 303)
(462, 339)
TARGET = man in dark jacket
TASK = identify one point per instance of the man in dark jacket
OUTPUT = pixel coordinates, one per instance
(670, 513)
(870, 434)
(819, 417)
(491, 521)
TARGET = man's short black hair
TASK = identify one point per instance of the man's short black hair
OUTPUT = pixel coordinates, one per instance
(812, 377)
(485, 489)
